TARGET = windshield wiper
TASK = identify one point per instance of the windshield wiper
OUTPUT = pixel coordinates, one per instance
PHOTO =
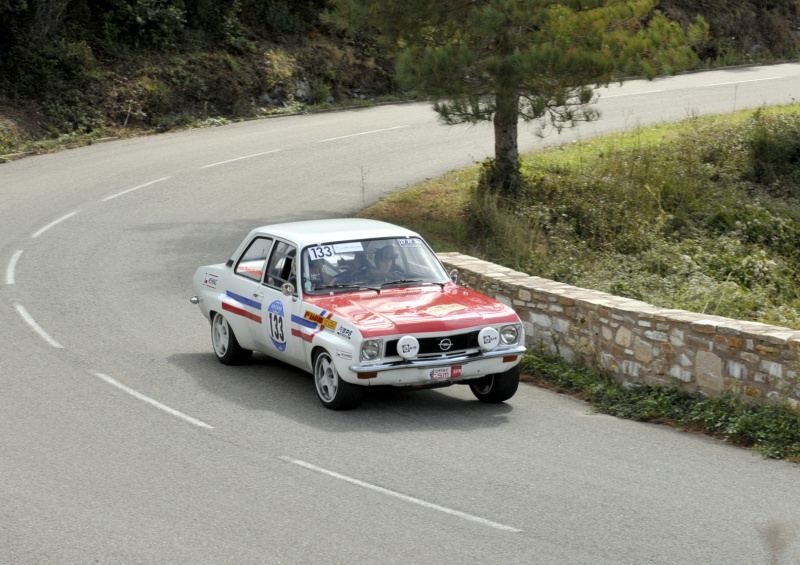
(340, 286)
(401, 281)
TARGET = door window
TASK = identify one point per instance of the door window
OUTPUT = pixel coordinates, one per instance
(281, 267)
(251, 264)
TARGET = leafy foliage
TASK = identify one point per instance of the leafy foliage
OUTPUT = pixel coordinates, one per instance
(535, 60)
(684, 222)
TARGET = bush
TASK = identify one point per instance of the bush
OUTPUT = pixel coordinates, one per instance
(674, 216)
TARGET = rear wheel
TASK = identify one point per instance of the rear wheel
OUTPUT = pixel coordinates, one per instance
(226, 346)
(333, 392)
(496, 388)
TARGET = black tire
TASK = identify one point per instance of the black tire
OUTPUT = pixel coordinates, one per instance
(333, 392)
(226, 346)
(496, 388)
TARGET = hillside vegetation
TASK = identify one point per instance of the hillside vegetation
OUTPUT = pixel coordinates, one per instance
(702, 215)
(78, 71)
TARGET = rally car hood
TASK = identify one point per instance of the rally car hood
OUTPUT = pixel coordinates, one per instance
(415, 310)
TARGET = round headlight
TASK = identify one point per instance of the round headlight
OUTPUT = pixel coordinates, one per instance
(509, 334)
(407, 347)
(488, 338)
(371, 349)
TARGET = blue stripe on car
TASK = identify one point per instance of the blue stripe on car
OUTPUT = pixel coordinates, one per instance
(304, 322)
(245, 301)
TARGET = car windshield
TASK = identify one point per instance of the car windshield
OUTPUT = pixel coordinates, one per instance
(371, 263)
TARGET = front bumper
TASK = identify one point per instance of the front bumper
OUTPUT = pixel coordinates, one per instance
(444, 370)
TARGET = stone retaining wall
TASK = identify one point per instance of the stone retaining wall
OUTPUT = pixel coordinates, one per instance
(639, 342)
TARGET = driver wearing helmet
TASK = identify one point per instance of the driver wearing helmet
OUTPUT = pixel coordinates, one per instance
(385, 265)
(318, 275)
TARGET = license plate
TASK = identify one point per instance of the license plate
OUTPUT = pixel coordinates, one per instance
(445, 372)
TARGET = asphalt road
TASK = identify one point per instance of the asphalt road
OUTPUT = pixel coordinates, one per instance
(123, 440)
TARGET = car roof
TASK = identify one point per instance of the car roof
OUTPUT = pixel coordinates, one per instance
(311, 232)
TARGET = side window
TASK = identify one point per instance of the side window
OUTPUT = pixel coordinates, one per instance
(281, 267)
(251, 265)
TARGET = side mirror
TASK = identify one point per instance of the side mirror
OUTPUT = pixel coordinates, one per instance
(453, 276)
(287, 289)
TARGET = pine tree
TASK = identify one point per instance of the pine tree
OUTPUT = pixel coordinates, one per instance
(535, 60)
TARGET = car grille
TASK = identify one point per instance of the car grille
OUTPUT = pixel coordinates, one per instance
(430, 345)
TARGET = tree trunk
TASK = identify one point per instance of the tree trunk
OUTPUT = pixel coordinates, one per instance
(506, 152)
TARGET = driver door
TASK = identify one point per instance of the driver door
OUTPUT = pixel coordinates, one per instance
(278, 308)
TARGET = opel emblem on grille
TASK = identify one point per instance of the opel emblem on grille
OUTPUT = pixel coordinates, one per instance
(445, 344)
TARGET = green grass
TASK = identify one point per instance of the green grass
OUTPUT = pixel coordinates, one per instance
(702, 215)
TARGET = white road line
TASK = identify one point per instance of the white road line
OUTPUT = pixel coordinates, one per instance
(240, 158)
(12, 265)
(404, 497)
(155, 403)
(51, 224)
(362, 133)
(134, 188)
(740, 81)
(629, 94)
(36, 327)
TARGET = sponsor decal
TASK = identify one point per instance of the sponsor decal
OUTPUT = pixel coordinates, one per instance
(250, 270)
(348, 247)
(277, 332)
(444, 309)
(344, 354)
(326, 323)
(409, 242)
(445, 372)
(210, 280)
(346, 333)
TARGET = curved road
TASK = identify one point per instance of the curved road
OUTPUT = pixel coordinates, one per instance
(122, 440)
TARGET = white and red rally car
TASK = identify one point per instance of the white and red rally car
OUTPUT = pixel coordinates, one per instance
(358, 303)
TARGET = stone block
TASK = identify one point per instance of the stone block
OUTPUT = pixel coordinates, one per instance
(541, 320)
(773, 369)
(766, 350)
(656, 336)
(737, 370)
(642, 351)
(700, 344)
(560, 325)
(708, 372)
(630, 368)
(624, 337)
(681, 374)
(705, 326)
(749, 357)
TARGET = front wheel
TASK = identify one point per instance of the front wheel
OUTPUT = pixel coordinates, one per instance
(226, 346)
(333, 392)
(496, 388)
